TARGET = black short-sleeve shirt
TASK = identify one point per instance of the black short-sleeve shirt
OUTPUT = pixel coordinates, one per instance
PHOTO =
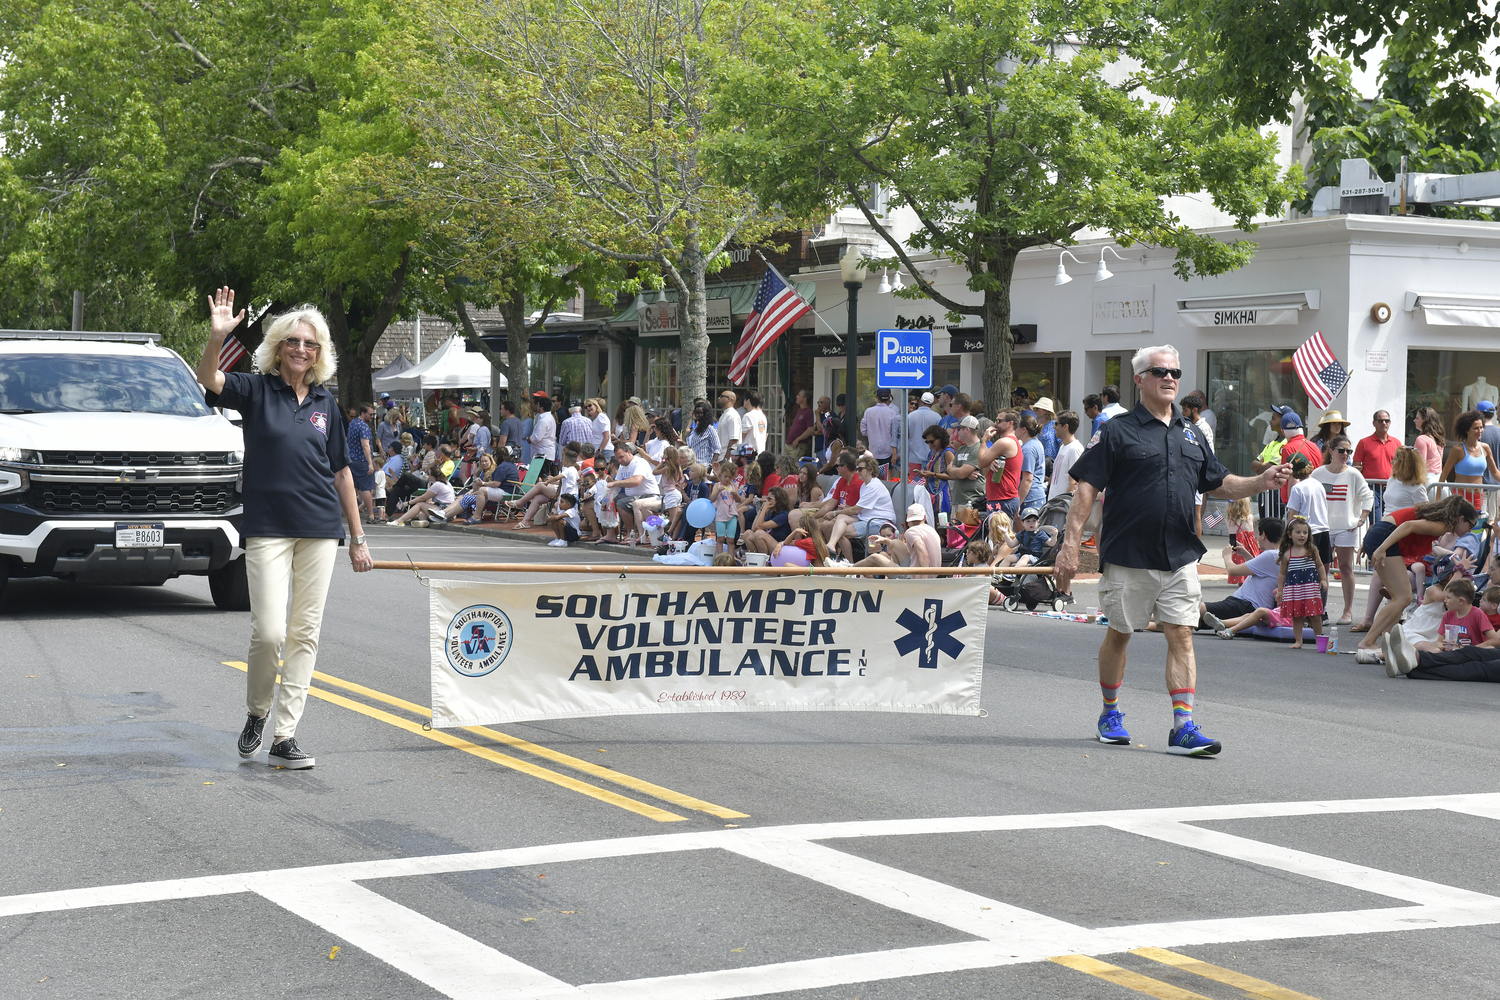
(1149, 471)
(292, 451)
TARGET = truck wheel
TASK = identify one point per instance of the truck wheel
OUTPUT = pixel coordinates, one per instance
(230, 586)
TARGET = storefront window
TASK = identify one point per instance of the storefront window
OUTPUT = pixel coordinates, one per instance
(1242, 386)
(1043, 375)
(764, 377)
(661, 379)
(1450, 382)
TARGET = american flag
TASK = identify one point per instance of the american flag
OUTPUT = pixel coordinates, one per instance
(230, 352)
(1319, 371)
(1213, 517)
(777, 307)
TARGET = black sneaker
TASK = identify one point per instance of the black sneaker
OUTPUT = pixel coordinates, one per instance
(250, 736)
(286, 753)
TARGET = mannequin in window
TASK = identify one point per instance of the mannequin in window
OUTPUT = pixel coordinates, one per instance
(1480, 389)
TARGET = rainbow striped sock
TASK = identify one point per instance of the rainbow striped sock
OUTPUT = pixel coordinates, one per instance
(1111, 696)
(1182, 707)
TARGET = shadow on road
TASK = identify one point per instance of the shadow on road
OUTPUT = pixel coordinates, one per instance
(42, 599)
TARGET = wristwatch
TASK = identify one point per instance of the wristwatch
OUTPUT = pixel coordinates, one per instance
(357, 540)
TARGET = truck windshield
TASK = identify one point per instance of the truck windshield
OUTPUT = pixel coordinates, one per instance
(53, 383)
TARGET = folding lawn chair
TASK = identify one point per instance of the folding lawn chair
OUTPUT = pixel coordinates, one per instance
(533, 473)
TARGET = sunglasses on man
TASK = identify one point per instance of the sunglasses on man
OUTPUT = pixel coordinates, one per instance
(1172, 373)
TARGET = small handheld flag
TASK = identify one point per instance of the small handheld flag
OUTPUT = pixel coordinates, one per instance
(1319, 371)
(1213, 517)
(230, 352)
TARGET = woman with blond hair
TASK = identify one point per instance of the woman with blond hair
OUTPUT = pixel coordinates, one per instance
(636, 425)
(296, 482)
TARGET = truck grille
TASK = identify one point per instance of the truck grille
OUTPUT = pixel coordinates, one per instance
(165, 459)
(134, 498)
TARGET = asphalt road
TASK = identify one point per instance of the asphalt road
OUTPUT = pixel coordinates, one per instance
(880, 856)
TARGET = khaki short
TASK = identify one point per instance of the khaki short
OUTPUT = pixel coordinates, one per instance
(1131, 597)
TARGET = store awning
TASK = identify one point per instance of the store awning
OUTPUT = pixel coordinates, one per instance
(741, 296)
(540, 343)
(1448, 309)
(1263, 309)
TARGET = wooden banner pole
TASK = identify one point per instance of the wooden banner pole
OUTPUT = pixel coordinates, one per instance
(646, 569)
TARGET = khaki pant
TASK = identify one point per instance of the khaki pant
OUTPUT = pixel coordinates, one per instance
(276, 568)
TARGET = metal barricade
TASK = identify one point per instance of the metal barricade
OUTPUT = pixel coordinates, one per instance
(1485, 498)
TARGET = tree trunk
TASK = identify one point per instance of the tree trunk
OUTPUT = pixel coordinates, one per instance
(692, 358)
(517, 336)
(997, 339)
(517, 366)
(355, 340)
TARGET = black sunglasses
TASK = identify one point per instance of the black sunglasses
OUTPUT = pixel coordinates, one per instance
(1173, 373)
(1344, 451)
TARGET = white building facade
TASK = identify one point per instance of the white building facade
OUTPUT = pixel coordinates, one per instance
(1409, 305)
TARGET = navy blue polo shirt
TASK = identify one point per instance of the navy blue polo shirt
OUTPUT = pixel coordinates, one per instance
(1150, 470)
(292, 451)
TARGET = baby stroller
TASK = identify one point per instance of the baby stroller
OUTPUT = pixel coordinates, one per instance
(1032, 589)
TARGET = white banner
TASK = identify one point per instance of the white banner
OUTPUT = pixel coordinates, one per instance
(561, 649)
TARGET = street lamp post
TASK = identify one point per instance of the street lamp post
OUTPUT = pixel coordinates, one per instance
(852, 267)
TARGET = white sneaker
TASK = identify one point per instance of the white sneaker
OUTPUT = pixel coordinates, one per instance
(1402, 654)
(558, 543)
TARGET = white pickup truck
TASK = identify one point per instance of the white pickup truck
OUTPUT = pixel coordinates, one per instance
(112, 468)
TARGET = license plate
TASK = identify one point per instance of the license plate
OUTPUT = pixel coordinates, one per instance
(140, 536)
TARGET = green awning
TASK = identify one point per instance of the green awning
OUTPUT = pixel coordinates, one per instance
(741, 295)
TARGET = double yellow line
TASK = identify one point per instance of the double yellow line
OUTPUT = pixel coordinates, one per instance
(516, 763)
(1166, 991)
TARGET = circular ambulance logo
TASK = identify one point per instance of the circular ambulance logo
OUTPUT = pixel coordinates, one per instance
(478, 640)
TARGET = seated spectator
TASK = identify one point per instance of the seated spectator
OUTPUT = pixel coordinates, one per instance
(872, 508)
(431, 504)
(808, 538)
(548, 488)
(771, 525)
(1467, 650)
(1259, 589)
(564, 521)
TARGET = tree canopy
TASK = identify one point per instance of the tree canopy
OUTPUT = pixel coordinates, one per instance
(183, 146)
(1001, 126)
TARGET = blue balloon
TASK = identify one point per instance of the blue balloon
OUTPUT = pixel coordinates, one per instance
(700, 513)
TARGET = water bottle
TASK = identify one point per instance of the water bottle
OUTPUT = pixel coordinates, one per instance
(1333, 644)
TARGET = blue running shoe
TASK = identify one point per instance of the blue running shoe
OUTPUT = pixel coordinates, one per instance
(1112, 728)
(1191, 741)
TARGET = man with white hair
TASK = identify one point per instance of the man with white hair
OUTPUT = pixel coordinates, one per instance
(576, 428)
(1151, 460)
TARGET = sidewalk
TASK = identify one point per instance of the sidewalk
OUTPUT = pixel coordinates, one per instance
(537, 536)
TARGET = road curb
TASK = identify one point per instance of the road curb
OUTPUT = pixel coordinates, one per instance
(639, 552)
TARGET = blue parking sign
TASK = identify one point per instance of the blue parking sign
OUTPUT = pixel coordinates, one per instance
(903, 359)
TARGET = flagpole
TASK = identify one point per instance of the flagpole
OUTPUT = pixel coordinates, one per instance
(793, 287)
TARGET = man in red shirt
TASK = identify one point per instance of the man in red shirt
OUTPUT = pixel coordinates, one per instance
(845, 493)
(1373, 456)
(1296, 443)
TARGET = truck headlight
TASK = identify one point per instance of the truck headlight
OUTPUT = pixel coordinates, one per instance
(236, 458)
(19, 456)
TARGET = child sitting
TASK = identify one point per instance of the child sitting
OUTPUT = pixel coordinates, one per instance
(564, 521)
(1464, 624)
(1489, 603)
(1032, 540)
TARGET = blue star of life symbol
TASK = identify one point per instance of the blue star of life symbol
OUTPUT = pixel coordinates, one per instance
(930, 633)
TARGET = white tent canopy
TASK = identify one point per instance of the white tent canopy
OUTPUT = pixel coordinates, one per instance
(451, 366)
